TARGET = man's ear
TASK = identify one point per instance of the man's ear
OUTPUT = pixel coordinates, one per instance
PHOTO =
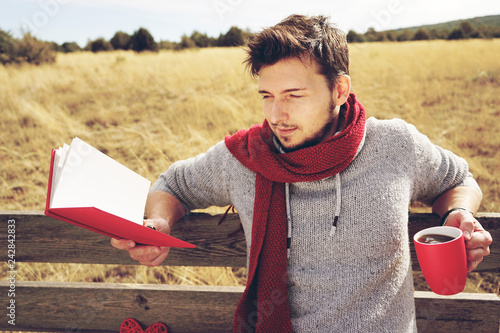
(341, 89)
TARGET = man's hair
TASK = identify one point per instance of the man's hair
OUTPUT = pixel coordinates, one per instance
(300, 36)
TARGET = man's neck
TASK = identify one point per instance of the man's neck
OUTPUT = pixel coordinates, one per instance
(340, 120)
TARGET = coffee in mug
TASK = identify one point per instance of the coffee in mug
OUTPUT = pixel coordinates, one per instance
(434, 239)
(442, 257)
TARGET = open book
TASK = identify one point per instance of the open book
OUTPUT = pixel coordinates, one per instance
(91, 190)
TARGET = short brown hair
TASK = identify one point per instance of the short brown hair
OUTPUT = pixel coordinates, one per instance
(301, 36)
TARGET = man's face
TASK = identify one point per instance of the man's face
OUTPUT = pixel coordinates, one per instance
(297, 102)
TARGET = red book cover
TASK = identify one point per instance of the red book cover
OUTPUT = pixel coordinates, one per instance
(105, 223)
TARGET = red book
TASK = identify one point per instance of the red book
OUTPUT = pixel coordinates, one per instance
(91, 190)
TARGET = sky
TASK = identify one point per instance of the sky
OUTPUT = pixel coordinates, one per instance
(83, 20)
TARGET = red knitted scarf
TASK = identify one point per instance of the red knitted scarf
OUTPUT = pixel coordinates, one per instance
(264, 306)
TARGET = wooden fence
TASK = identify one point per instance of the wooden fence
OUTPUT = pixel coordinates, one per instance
(102, 307)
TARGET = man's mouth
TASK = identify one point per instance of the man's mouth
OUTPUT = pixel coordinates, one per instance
(284, 130)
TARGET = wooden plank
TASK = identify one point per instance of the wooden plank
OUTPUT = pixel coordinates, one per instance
(43, 239)
(102, 307)
(465, 312)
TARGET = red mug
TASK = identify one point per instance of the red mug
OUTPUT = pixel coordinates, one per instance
(444, 265)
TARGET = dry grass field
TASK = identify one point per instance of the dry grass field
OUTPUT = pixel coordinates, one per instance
(149, 110)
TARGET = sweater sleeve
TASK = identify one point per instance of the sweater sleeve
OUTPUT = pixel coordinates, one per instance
(198, 182)
(436, 170)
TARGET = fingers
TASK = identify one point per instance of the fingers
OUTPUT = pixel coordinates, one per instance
(480, 239)
(478, 246)
(464, 221)
(145, 254)
(472, 265)
(122, 244)
(158, 224)
(149, 255)
(475, 256)
(477, 240)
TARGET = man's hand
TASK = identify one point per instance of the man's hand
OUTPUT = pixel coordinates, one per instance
(146, 254)
(477, 240)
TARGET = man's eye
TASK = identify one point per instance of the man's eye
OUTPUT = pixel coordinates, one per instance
(266, 96)
(296, 96)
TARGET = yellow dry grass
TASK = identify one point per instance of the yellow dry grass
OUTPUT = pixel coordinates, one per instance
(149, 110)
(143, 110)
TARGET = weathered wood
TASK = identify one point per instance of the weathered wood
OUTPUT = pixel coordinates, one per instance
(43, 239)
(96, 307)
(465, 312)
(102, 307)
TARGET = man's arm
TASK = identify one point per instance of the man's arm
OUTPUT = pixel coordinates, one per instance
(460, 196)
(163, 205)
(163, 210)
(477, 240)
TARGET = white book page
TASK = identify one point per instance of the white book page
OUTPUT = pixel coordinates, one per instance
(59, 160)
(89, 178)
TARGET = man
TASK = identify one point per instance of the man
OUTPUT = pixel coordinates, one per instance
(322, 194)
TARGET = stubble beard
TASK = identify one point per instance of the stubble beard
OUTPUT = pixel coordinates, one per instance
(319, 137)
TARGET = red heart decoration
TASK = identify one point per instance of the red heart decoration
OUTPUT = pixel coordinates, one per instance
(157, 328)
(131, 325)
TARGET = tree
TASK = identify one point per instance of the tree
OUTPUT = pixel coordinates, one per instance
(99, 45)
(467, 28)
(354, 37)
(28, 49)
(234, 37)
(403, 36)
(456, 34)
(476, 34)
(374, 36)
(56, 47)
(390, 35)
(437, 34)
(186, 42)
(421, 34)
(70, 47)
(142, 40)
(35, 51)
(167, 45)
(7, 47)
(120, 41)
(485, 31)
(200, 40)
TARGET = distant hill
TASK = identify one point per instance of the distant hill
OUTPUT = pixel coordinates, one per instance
(477, 27)
(491, 21)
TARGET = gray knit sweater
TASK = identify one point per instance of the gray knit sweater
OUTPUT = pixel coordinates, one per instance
(359, 279)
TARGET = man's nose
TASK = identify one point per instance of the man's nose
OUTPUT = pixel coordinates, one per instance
(279, 112)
